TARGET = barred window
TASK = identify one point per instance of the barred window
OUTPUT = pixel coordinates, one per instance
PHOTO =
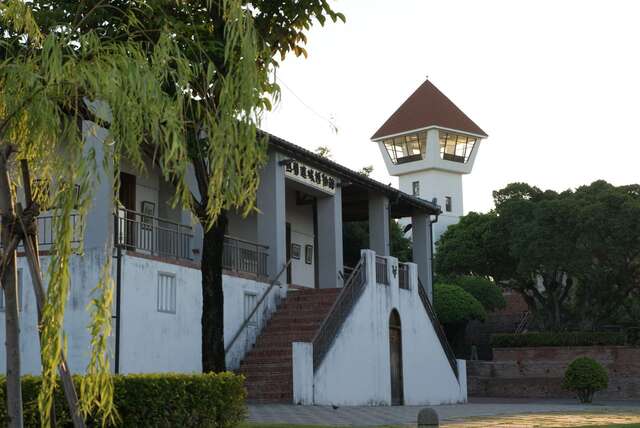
(166, 293)
(415, 187)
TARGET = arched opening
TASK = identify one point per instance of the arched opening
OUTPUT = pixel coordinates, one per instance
(395, 353)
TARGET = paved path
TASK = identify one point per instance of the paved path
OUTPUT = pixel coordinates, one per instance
(400, 415)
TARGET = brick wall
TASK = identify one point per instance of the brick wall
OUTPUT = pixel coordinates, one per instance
(538, 372)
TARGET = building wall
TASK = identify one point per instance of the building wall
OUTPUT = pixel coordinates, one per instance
(356, 370)
(300, 217)
(151, 341)
(85, 272)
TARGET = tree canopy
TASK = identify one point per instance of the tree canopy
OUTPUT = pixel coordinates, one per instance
(574, 256)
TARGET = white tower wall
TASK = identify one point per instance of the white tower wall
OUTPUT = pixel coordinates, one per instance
(440, 185)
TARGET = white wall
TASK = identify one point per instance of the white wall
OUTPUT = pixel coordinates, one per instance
(301, 219)
(356, 370)
(85, 272)
(151, 341)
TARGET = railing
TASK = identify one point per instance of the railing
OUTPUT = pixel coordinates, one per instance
(347, 299)
(247, 321)
(524, 322)
(382, 274)
(47, 233)
(148, 234)
(244, 256)
(403, 276)
(438, 328)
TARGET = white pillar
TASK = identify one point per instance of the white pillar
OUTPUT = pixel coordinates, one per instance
(379, 225)
(302, 361)
(271, 220)
(330, 260)
(422, 250)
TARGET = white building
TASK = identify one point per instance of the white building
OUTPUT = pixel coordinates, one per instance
(429, 144)
(315, 332)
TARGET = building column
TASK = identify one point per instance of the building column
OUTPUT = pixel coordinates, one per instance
(330, 262)
(379, 225)
(271, 220)
(100, 217)
(422, 250)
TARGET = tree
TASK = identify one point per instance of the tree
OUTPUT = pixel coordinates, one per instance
(455, 308)
(574, 256)
(355, 236)
(483, 289)
(230, 47)
(47, 75)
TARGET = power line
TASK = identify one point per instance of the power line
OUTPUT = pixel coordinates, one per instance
(329, 120)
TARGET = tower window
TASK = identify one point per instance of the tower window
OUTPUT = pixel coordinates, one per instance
(447, 204)
(456, 148)
(415, 188)
(406, 148)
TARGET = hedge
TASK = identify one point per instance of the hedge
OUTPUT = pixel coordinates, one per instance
(152, 400)
(557, 339)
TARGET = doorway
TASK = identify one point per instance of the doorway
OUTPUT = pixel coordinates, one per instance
(288, 244)
(127, 197)
(395, 350)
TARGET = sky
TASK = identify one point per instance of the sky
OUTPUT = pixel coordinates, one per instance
(555, 84)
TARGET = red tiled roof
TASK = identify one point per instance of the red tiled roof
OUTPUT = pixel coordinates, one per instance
(426, 107)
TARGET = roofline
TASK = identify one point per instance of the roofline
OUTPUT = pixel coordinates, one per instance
(384, 137)
(350, 174)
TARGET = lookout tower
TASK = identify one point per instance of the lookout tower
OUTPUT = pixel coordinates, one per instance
(429, 143)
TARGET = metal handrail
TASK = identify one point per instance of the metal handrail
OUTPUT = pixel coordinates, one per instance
(240, 255)
(244, 241)
(246, 322)
(158, 236)
(446, 347)
(338, 313)
(524, 321)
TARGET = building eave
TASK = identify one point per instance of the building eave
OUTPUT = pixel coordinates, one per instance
(348, 175)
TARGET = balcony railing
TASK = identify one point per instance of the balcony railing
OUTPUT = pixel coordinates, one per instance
(403, 276)
(245, 256)
(152, 235)
(382, 274)
(47, 233)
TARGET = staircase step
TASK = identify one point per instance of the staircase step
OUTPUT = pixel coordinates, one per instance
(268, 366)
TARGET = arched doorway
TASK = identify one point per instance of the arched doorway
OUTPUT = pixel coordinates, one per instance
(395, 350)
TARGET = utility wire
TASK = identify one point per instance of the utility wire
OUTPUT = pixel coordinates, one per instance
(329, 120)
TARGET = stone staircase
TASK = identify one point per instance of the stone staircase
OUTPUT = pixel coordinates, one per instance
(268, 366)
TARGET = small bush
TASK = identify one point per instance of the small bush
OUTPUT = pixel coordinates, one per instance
(585, 376)
(556, 339)
(151, 400)
(453, 305)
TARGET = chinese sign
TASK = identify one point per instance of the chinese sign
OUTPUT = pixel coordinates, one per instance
(310, 176)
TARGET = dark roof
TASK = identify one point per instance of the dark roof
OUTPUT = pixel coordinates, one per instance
(426, 107)
(349, 175)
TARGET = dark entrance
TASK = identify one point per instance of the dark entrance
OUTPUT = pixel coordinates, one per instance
(127, 197)
(395, 349)
(288, 244)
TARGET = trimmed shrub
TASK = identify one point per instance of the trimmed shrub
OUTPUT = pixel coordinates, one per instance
(483, 289)
(585, 376)
(557, 339)
(152, 400)
(453, 305)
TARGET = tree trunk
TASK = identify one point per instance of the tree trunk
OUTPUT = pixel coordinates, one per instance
(9, 283)
(213, 358)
